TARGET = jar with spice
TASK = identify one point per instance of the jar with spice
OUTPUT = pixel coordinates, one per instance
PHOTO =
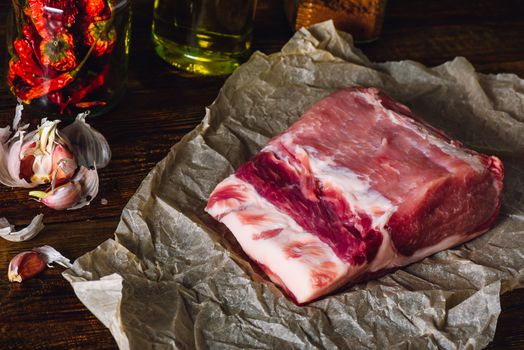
(362, 18)
(68, 56)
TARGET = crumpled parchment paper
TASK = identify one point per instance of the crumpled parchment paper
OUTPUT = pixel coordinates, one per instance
(173, 278)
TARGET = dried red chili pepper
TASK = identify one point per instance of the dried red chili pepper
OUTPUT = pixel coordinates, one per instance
(56, 98)
(58, 52)
(53, 84)
(51, 17)
(25, 53)
(94, 8)
(85, 105)
(102, 35)
(47, 86)
(26, 73)
(36, 12)
(11, 74)
(60, 14)
(24, 65)
(32, 37)
(78, 95)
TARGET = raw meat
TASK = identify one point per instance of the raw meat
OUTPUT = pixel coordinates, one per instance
(358, 186)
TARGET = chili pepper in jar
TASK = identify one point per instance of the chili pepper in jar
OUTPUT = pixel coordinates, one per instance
(56, 98)
(63, 14)
(57, 83)
(78, 95)
(25, 54)
(90, 104)
(11, 74)
(32, 37)
(102, 36)
(24, 72)
(94, 8)
(58, 52)
(24, 66)
(53, 39)
(46, 87)
(36, 12)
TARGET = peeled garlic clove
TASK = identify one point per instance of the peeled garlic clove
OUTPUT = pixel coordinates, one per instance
(89, 146)
(42, 169)
(24, 266)
(62, 197)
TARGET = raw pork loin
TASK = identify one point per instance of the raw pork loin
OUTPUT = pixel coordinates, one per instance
(358, 186)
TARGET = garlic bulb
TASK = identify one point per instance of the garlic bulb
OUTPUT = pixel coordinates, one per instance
(66, 159)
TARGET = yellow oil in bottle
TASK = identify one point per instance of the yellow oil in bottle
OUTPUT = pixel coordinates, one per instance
(208, 37)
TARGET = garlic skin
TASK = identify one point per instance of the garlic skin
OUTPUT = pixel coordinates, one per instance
(89, 181)
(90, 146)
(7, 231)
(10, 161)
(24, 266)
(53, 256)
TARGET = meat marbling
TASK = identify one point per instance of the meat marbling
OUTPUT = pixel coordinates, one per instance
(356, 187)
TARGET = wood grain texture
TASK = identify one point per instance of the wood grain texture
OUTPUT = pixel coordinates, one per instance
(162, 105)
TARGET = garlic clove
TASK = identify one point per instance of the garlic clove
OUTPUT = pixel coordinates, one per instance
(24, 266)
(26, 167)
(75, 194)
(63, 164)
(42, 166)
(47, 135)
(62, 197)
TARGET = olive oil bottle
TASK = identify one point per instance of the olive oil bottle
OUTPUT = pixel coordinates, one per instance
(208, 37)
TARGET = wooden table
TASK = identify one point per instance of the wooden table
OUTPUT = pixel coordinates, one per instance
(161, 106)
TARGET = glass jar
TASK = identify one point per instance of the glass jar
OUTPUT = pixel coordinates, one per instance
(361, 18)
(207, 37)
(68, 56)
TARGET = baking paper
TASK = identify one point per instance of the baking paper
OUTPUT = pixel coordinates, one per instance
(174, 278)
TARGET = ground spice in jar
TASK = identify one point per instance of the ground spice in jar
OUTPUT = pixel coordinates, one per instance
(361, 18)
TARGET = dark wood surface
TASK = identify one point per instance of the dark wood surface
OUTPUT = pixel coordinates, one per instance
(161, 106)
